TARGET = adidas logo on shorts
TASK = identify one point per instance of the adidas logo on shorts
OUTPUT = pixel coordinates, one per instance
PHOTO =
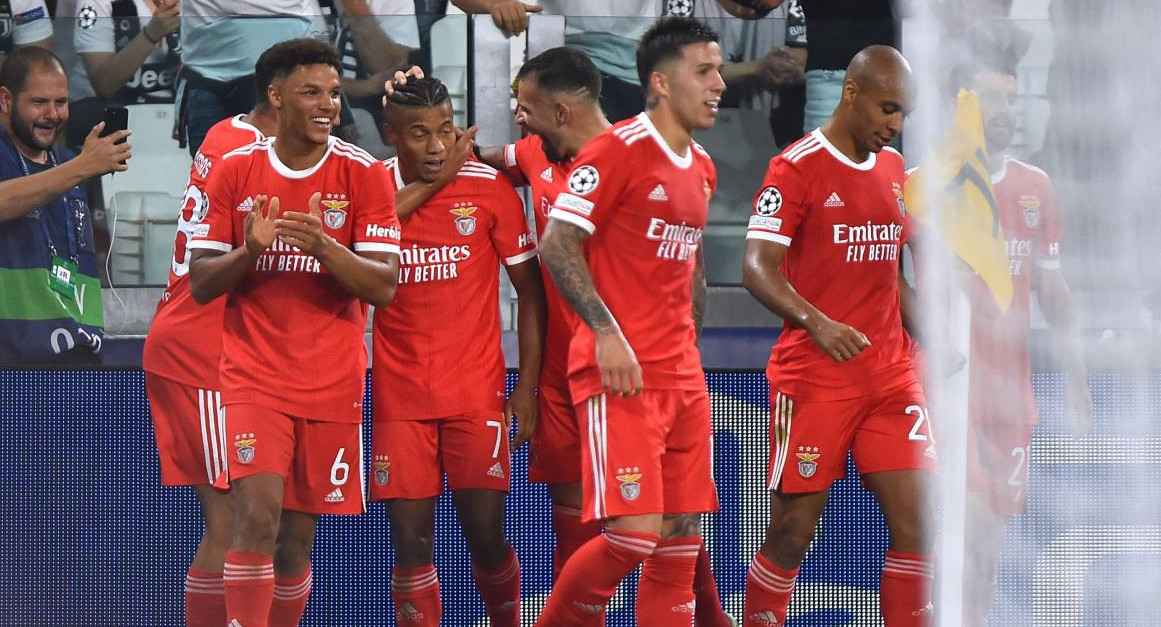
(497, 471)
(336, 496)
(684, 608)
(767, 618)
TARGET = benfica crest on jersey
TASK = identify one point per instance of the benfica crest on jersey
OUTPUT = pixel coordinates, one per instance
(1031, 205)
(630, 483)
(465, 222)
(335, 215)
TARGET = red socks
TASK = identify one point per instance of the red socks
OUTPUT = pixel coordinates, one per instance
(768, 590)
(290, 595)
(500, 590)
(571, 534)
(416, 595)
(665, 591)
(905, 590)
(249, 584)
(705, 589)
(592, 575)
(205, 599)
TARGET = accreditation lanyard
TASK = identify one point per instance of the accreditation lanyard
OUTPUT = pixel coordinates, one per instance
(62, 273)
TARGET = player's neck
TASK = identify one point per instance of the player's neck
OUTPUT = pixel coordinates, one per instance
(263, 119)
(676, 136)
(587, 128)
(297, 154)
(996, 161)
(843, 140)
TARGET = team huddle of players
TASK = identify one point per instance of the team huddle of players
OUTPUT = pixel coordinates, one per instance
(287, 233)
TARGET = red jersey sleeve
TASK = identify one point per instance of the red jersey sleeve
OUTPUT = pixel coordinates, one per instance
(1048, 231)
(516, 158)
(595, 184)
(779, 206)
(216, 232)
(510, 233)
(376, 224)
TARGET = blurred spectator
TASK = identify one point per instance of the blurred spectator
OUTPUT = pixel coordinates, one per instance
(374, 38)
(221, 41)
(24, 23)
(608, 31)
(510, 16)
(129, 52)
(758, 61)
(50, 293)
(835, 31)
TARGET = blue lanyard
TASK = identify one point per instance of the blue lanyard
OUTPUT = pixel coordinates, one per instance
(74, 215)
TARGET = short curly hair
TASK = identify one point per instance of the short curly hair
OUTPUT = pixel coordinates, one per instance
(279, 61)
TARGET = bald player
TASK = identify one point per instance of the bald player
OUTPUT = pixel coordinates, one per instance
(822, 252)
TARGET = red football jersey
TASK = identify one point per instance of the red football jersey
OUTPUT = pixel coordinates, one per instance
(185, 341)
(547, 179)
(844, 223)
(1000, 380)
(293, 338)
(645, 207)
(437, 347)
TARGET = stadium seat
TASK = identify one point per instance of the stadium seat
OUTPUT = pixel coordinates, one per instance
(143, 226)
(158, 163)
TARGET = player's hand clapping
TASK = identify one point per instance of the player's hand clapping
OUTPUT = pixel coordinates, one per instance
(259, 225)
(620, 372)
(842, 342)
(304, 231)
(103, 155)
(522, 404)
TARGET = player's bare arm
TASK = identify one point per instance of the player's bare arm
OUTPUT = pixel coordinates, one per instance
(1056, 303)
(372, 276)
(762, 278)
(699, 291)
(413, 195)
(213, 273)
(561, 252)
(530, 328)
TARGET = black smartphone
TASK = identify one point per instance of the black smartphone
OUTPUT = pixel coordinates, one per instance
(116, 119)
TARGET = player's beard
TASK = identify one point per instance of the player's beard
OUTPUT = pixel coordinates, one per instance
(550, 149)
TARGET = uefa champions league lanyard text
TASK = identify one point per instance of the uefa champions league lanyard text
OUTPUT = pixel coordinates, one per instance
(62, 273)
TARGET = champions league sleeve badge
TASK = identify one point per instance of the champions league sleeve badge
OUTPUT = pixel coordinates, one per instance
(583, 180)
(769, 202)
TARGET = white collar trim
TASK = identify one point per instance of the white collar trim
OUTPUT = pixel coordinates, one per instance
(678, 160)
(868, 164)
(285, 170)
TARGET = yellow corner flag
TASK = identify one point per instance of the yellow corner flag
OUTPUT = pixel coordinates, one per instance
(963, 204)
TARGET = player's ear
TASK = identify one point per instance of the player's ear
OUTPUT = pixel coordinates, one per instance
(274, 95)
(658, 84)
(850, 91)
(562, 113)
(6, 98)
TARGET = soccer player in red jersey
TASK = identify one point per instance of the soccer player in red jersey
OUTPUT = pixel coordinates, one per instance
(181, 358)
(822, 252)
(293, 358)
(1001, 408)
(438, 375)
(623, 245)
(557, 103)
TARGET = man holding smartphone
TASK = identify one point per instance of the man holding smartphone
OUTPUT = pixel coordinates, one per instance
(50, 293)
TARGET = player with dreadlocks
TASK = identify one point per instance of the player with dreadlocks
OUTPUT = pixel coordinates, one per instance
(440, 342)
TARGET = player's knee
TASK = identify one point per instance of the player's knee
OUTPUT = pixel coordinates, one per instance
(789, 539)
(413, 541)
(256, 523)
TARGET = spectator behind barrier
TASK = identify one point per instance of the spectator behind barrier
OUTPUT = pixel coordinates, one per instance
(129, 53)
(221, 41)
(50, 295)
(29, 25)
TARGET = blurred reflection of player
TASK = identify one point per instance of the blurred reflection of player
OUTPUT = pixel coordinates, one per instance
(1001, 408)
